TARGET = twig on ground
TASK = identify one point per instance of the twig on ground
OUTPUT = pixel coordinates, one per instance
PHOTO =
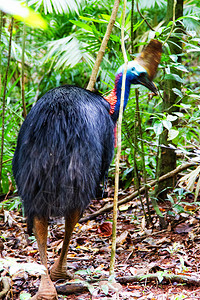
(79, 287)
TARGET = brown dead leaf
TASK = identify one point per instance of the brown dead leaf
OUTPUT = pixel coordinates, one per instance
(183, 228)
(122, 238)
(105, 229)
(190, 207)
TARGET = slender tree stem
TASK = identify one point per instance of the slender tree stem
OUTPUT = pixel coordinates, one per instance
(103, 46)
(143, 16)
(142, 155)
(1, 27)
(4, 100)
(22, 79)
(117, 160)
(136, 175)
(173, 20)
(132, 21)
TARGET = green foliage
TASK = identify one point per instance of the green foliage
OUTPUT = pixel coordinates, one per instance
(65, 53)
(23, 13)
(25, 296)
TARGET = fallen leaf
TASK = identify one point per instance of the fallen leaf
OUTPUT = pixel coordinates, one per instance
(182, 228)
(105, 229)
(122, 238)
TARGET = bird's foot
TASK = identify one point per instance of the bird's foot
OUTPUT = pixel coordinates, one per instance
(60, 272)
(47, 291)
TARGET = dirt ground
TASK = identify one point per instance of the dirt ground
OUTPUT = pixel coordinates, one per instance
(141, 250)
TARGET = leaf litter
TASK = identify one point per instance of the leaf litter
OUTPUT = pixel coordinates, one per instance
(141, 251)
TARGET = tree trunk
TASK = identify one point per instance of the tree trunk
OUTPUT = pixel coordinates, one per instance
(166, 160)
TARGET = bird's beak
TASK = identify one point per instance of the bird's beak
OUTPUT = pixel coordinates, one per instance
(148, 83)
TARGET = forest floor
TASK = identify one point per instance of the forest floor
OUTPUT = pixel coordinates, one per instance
(140, 251)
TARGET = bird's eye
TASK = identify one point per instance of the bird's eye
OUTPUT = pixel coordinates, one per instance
(133, 68)
(142, 74)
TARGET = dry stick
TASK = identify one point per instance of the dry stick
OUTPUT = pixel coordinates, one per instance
(141, 190)
(22, 79)
(79, 287)
(103, 46)
(117, 159)
(4, 99)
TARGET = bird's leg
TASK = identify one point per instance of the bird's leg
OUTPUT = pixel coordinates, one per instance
(59, 269)
(46, 290)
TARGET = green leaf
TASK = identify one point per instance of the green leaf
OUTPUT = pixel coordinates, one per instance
(160, 275)
(92, 20)
(25, 296)
(179, 114)
(174, 57)
(82, 25)
(59, 6)
(173, 77)
(167, 124)
(195, 96)
(181, 68)
(186, 106)
(177, 92)
(172, 134)
(171, 118)
(23, 13)
(158, 127)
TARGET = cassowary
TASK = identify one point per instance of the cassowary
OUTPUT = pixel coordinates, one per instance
(64, 149)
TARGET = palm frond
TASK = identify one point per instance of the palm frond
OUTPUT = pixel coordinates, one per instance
(67, 52)
(191, 182)
(59, 6)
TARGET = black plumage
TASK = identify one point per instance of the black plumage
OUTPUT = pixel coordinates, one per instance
(64, 148)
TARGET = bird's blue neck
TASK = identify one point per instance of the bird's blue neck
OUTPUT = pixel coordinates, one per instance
(115, 96)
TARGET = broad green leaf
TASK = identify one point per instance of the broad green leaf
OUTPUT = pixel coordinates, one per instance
(177, 92)
(195, 96)
(172, 134)
(174, 77)
(181, 68)
(174, 57)
(59, 6)
(171, 118)
(186, 106)
(82, 25)
(23, 13)
(188, 17)
(158, 128)
(167, 124)
(179, 114)
(92, 20)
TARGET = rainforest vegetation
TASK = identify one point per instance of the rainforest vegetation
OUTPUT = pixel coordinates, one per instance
(159, 168)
